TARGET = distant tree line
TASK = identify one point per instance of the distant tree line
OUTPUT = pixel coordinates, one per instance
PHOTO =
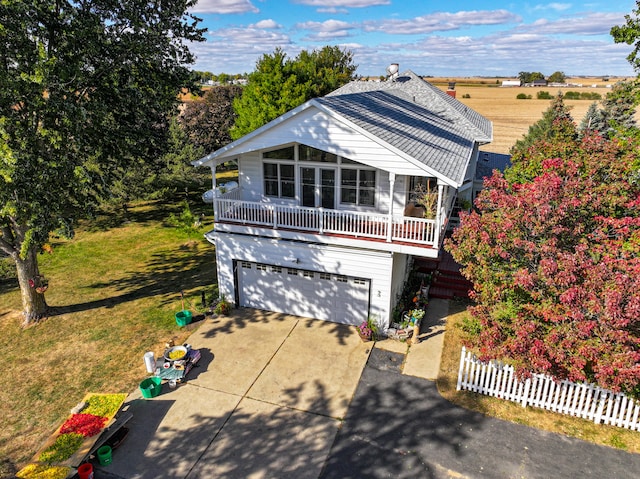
(530, 77)
(221, 78)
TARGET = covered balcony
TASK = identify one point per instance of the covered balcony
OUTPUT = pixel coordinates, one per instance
(391, 231)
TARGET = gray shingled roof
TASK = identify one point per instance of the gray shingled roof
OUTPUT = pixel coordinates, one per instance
(489, 161)
(429, 138)
(410, 86)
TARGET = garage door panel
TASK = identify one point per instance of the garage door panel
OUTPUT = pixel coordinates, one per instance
(304, 293)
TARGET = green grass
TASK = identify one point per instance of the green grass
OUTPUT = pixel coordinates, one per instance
(113, 293)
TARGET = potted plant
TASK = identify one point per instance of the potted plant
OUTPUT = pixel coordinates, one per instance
(223, 307)
(368, 330)
(427, 198)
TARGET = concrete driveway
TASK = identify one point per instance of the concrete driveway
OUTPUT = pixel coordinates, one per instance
(266, 400)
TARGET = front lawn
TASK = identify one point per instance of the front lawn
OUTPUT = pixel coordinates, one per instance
(114, 293)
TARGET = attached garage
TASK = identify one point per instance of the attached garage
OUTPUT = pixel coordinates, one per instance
(313, 294)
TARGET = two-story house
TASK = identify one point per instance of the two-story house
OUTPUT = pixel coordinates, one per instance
(322, 224)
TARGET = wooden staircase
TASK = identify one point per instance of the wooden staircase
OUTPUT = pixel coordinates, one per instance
(447, 281)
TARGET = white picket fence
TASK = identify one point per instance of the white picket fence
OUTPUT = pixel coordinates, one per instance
(565, 397)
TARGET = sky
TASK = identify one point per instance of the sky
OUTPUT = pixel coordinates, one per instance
(461, 38)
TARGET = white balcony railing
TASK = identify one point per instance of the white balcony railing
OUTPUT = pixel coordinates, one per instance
(376, 226)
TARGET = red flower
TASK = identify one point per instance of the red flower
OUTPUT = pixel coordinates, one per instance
(86, 424)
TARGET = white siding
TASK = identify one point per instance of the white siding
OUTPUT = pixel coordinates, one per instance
(359, 263)
(314, 128)
(250, 176)
(399, 276)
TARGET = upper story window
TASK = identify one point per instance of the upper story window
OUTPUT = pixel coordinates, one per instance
(358, 186)
(279, 180)
(308, 153)
(287, 153)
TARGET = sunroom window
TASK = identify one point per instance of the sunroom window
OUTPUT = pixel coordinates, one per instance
(358, 187)
(279, 180)
(308, 153)
(287, 153)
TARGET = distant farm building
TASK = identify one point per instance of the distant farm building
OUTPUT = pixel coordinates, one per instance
(510, 83)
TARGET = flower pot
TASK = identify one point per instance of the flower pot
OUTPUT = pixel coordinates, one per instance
(364, 338)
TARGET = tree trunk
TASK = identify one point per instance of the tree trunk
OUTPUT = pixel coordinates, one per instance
(33, 301)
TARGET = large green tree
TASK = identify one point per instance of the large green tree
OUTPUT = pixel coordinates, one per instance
(530, 77)
(85, 87)
(555, 129)
(280, 84)
(629, 33)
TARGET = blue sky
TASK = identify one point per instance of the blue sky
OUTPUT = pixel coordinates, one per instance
(449, 38)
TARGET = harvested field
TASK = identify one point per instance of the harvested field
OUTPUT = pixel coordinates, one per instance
(512, 117)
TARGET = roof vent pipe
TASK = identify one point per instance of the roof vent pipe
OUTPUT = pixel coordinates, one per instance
(392, 71)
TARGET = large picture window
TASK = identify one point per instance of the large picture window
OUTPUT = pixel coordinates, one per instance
(279, 180)
(358, 187)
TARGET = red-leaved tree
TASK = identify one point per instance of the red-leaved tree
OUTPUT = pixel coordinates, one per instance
(555, 264)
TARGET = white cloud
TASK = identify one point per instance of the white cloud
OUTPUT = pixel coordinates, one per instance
(506, 54)
(332, 10)
(327, 30)
(236, 50)
(326, 26)
(267, 24)
(592, 24)
(559, 7)
(577, 45)
(442, 21)
(224, 6)
(328, 4)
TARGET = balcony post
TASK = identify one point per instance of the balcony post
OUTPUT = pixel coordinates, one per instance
(392, 183)
(438, 225)
(213, 185)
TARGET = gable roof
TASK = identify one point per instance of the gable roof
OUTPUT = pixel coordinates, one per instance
(413, 88)
(408, 116)
(489, 161)
(430, 139)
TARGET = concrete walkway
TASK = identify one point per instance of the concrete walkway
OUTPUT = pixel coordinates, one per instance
(266, 400)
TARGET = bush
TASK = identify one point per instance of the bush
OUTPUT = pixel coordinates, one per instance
(7, 269)
(572, 95)
(466, 95)
(585, 95)
(544, 95)
(523, 96)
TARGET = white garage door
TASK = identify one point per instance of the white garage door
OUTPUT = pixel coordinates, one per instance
(342, 299)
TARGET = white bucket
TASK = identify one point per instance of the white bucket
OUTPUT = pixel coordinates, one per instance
(150, 362)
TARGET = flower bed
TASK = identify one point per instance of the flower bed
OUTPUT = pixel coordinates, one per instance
(74, 438)
(43, 471)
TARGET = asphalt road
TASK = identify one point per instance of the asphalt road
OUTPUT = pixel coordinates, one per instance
(399, 426)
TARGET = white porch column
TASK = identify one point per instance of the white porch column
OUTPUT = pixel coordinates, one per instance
(213, 185)
(392, 183)
(436, 236)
